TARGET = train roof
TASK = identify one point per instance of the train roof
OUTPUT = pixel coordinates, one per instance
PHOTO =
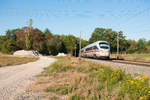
(93, 44)
(99, 42)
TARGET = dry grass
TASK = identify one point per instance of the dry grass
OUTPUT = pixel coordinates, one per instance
(75, 79)
(8, 60)
(134, 57)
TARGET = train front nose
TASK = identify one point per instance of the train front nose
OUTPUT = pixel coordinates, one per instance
(105, 50)
(105, 53)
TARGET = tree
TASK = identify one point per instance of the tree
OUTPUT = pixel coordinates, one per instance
(70, 42)
(8, 42)
(20, 36)
(142, 44)
(47, 32)
(110, 36)
(2, 40)
(148, 43)
(35, 40)
(133, 47)
(27, 41)
(11, 34)
(48, 40)
(55, 45)
(77, 46)
(97, 35)
(123, 42)
(9, 47)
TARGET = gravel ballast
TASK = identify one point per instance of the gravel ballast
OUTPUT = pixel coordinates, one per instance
(15, 79)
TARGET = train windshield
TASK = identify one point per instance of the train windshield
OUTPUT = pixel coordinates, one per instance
(104, 45)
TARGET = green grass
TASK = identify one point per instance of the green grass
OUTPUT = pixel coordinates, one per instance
(142, 55)
(134, 57)
(75, 97)
(54, 98)
(61, 89)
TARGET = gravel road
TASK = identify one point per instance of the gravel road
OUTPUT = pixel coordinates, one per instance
(15, 79)
(134, 69)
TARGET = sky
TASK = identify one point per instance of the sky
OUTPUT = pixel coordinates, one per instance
(75, 16)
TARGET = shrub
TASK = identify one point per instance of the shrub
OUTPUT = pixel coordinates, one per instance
(8, 47)
(137, 87)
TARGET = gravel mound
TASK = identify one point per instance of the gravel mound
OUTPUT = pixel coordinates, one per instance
(24, 53)
(61, 54)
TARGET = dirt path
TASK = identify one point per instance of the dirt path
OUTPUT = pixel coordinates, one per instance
(15, 79)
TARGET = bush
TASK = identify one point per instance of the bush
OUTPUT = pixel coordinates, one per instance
(137, 88)
(9, 47)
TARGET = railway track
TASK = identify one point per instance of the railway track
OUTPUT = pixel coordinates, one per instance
(128, 66)
(123, 62)
(131, 63)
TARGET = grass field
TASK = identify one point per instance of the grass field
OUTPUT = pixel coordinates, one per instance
(8, 60)
(74, 79)
(134, 57)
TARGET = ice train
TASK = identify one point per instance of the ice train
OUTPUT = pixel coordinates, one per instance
(99, 49)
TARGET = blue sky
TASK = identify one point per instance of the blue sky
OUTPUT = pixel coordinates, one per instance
(73, 16)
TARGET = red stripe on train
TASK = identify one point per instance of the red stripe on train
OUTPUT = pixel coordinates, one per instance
(92, 51)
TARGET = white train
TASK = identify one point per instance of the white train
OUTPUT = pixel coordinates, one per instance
(99, 49)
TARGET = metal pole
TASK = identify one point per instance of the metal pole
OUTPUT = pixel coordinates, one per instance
(117, 45)
(75, 50)
(80, 46)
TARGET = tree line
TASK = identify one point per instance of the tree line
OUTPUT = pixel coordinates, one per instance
(45, 42)
(125, 45)
(48, 43)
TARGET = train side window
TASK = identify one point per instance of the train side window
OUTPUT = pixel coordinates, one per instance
(95, 48)
(90, 48)
(87, 49)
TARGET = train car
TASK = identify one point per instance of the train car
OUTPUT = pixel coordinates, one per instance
(99, 49)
